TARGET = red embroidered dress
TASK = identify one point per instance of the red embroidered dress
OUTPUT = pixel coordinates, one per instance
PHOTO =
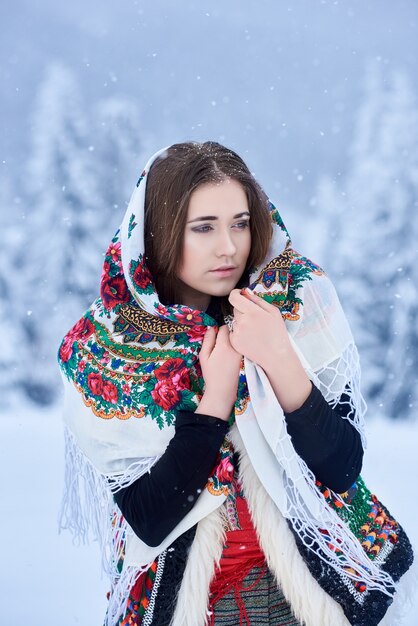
(242, 588)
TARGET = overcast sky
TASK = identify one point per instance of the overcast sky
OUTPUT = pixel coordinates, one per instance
(278, 81)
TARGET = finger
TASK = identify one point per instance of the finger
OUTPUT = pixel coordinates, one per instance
(233, 297)
(240, 302)
(208, 343)
(232, 340)
(238, 314)
(251, 296)
(229, 342)
(223, 334)
(224, 337)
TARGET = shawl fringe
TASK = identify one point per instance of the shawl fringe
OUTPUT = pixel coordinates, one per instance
(294, 489)
(89, 512)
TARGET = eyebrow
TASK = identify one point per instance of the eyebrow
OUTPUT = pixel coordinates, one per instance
(212, 218)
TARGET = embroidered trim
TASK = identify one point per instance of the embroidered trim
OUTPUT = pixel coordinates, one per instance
(148, 323)
(280, 279)
(107, 415)
(149, 613)
(276, 271)
(231, 521)
(358, 595)
(133, 353)
(219, 481)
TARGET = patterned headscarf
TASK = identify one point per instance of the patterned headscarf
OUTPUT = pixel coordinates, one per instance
(131, 362)
(134, 360)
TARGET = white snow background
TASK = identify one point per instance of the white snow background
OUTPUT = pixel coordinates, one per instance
(45, 580)
(319, 96)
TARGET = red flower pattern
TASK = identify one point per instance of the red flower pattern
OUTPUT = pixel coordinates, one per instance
(196, 333)
(165, 395)
(95, 383)
(113, 291)
(104, 388)
(162, 310)
(142, 276)
(188, 316)
(105, 270)
(169, 369)
(224, 470)
(66, 350)
(181, 379)
(81, 331)
(110, 392)
(115, 253)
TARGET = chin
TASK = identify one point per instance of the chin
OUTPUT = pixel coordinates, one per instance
(223, 290)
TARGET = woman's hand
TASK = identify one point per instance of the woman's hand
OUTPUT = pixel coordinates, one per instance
(220, 365)
(259, 333)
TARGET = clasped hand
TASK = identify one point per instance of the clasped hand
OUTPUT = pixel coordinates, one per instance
(259, 332)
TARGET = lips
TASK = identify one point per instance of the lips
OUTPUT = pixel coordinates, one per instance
(224, 272)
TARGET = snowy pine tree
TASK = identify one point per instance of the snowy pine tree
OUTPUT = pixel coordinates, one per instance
(59, 188)
(78, 172)
(12, 340)
(119, 147)
(374, 257)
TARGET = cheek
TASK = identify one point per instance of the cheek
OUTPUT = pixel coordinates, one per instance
(192, 254)
(247, 245)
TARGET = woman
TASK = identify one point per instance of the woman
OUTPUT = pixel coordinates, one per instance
(213, 454)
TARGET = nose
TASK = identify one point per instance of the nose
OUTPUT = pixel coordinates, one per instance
(225, 244)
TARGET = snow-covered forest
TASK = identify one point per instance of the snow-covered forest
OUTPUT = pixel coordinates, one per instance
(320, 98)
(370, 239)
(70, 200)
(76, 177)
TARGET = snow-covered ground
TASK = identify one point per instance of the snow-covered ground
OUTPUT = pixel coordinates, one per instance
(45, 580)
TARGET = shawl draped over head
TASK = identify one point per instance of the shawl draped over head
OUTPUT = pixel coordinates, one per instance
(131, 362)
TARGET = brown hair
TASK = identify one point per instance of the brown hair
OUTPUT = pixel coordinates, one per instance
(171, 180)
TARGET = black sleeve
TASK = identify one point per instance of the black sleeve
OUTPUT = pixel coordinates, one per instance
(330, 446)
(155, 503)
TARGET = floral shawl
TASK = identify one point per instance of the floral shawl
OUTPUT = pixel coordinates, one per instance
(130, 363)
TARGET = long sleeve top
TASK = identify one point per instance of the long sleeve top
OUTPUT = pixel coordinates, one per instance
(156, 502)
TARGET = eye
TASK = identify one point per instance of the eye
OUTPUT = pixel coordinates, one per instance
(202, 229)
(242, 225)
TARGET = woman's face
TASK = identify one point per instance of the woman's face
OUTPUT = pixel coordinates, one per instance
(217, 242)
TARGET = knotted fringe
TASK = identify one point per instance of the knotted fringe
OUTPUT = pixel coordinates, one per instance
(306, 507)
(337, 546)
(347, 368)
(85, 498)
(328, 380)
(89, 512)
(119, 593)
